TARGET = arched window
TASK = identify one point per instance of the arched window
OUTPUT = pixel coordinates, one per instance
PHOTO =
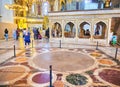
(84, 30)
(56, 30)
(99, 30)
(69, 30)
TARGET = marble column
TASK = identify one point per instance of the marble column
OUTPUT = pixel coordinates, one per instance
(63, 27)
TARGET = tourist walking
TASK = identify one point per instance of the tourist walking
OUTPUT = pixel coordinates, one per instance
(47, 35)
(6, 34)
(14, 34)
(27, 39)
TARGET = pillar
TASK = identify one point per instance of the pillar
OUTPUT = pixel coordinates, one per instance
(63, 27)
(76, 26)
(92, 29)
(50, 28)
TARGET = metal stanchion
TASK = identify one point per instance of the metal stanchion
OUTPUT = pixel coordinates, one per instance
(51, 76)
(97, 46)
(14, 52)
(60, 43)
(116, 53)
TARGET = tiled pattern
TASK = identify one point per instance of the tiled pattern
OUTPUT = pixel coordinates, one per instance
(91, 63)
(12, 73)
(63, 60)
(109, 76)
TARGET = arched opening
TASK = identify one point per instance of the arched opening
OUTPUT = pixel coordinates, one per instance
(99, 30)
(56, 30)
(69, 30)
(84, 30)
(115, 27)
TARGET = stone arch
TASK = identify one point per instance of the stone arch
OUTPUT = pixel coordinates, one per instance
(56, 30)
(70, 30)
(84, 30)
(100, 30)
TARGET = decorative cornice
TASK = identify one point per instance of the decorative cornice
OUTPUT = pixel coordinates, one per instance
(86, 12)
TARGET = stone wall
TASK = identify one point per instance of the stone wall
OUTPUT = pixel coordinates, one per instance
(10, 28)
(92, 17)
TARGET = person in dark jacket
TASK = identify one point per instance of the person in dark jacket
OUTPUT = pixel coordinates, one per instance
(6, 34)
(47, 34)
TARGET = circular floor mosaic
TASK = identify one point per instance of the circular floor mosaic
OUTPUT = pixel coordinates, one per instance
(12, 73)
(109, 76)
(40, 79)
(96, 54)
(106, 62)
(78, 80)
(63, 61)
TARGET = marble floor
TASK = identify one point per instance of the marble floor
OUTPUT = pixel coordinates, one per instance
(72, 66)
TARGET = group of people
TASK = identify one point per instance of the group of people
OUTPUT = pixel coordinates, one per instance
(26, 35)
(15, 34)
(37, 34)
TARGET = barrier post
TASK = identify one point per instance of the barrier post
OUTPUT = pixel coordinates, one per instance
(14, 52)
(97, 46)
(116, 53)
(50, 75)
(60, 43)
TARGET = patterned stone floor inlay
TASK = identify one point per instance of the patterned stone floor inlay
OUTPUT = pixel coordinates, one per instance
(10, 74)
(106, 62)
(96, 54)
(109, 76)
(20, 60)
(30, 67)
(63, 61)
(41, 78)
(76, 79)
(112, 76)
